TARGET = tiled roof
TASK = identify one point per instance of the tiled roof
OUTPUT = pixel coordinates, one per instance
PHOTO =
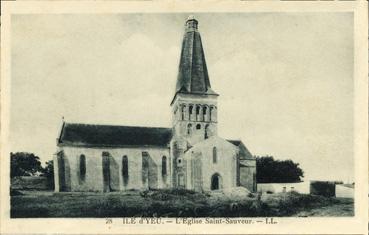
(107, 135)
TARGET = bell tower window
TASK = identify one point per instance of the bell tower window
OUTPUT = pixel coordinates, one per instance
(183, 110)
(198, 113)
(205, 113)
(189, 129)
(190, 110)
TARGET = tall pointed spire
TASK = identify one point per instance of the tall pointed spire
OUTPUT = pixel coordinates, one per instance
(192, 75)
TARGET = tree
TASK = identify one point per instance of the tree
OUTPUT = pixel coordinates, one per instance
(24, 164)
(269, 170)
(48, 172)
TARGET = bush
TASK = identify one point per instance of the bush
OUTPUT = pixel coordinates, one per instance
(177, 203)
(167, 194)
(323, 188)
(14, 192)
(293, 202)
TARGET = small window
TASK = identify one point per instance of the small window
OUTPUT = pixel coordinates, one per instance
(197, 110)
(190, 109)
(82, 167)
(215, 157)
(198, 126)
(189, 129)
(207, 131)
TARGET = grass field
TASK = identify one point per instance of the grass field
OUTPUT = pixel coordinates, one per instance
(173, 203)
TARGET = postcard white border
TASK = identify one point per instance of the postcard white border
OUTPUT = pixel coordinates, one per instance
(347, 225)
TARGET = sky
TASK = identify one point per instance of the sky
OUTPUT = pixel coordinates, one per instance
(285, 79)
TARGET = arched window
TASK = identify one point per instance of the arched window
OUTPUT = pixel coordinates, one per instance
(191, 110)
(215, 157)
(197, 109)
(125, 170)
(189, 129)
(204, 109)
(205, 113)
(164, 166)
(183, 110)
(198, 126)
(82, 167)
(211, 113)
(207, 131)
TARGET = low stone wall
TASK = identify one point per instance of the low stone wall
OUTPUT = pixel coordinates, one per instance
(302, 187)
(344, 191)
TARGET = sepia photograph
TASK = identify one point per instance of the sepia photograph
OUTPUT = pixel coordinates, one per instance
(191, 116)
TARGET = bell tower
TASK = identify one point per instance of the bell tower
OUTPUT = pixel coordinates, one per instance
(194, 105)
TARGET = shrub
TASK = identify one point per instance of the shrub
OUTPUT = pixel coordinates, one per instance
(293, 202)
(14, 192)
(323, 188)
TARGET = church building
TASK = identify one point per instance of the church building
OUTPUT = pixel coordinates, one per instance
(188, 155)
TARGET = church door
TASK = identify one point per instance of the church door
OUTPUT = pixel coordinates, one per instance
(215, 182)
(181, 183)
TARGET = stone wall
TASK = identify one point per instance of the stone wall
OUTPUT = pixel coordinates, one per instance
(94, 178)
(247, 173)
(344, 191)
(301, 187)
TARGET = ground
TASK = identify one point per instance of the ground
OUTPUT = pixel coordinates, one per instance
(174, 203)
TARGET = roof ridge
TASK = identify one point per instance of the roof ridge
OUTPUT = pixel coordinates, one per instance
(90, 124)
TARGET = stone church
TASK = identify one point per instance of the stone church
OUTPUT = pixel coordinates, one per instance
(188, 155)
